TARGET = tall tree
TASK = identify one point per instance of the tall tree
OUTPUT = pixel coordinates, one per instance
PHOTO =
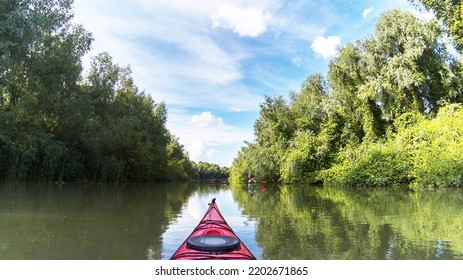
(56, 125)
(273, 130)
(275, 121)
(403, 67)
(126, 133)
(408, 66)
(308, 105)
(450, 12)
(40, 66)
(346, 74)
(39, 46)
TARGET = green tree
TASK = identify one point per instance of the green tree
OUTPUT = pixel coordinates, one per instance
(301, 158)
(308, 105)
(329, 129)
(208, 170)
(275, 121)
(248, 164)
(179, 166)
(57, 125)
(346, 74)
(126, 134)
(450, 12)
(403, 67)
(408, 68)
(40, 52)
(309, 153)
(273, 130)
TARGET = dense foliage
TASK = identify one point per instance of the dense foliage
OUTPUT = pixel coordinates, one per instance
(450, 12)
(208, 171)
(387, 113)
(425, 152)
(56, 124)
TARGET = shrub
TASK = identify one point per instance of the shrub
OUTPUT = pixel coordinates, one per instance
(425, 153)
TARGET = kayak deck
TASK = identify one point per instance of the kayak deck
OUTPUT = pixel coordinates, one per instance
(213, 239)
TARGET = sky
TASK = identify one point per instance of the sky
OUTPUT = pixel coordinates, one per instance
(212, 62)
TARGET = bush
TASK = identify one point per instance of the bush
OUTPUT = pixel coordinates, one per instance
(425, 153)
(437, 149)
(373, 165)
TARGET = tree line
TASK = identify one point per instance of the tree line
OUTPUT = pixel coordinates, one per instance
(388, 112)
(57, 123)
(208, 170)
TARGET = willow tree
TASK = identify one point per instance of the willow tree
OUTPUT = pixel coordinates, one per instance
(346, 75)
(308, 105)
(126, 135)
(403, 67)
(40, 66)
(273, 130)
(409, 68)
(40, 48)
(450, 12)
(309, 109)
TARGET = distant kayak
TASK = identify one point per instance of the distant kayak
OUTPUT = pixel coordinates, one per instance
(213, 239)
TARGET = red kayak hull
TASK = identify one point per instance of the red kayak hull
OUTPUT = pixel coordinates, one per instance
(213, 239)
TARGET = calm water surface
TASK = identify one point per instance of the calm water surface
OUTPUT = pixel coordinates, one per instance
(276, 222)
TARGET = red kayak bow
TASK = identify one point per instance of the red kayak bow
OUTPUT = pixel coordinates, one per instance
(213, 239)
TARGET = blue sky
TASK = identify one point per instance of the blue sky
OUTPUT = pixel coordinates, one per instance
(212, 61)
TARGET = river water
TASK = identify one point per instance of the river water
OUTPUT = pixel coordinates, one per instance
(149, 221)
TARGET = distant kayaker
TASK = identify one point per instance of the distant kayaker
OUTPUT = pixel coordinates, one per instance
(252, 180)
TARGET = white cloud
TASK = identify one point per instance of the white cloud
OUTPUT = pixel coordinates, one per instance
(200, 150)
(326, 46)
(367, 12)
(197, 150)
(206, 119)
(164, 42)
(249, 22)
(187, 54)
(215, 143)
